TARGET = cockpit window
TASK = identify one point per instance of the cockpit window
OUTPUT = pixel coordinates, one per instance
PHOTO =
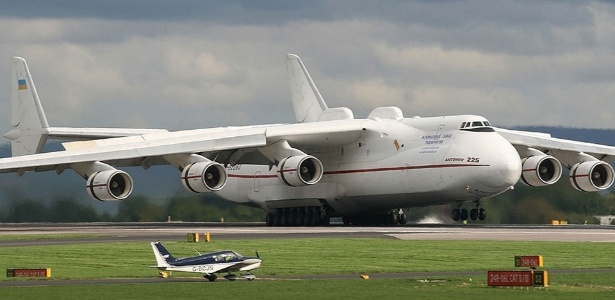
(477, 126)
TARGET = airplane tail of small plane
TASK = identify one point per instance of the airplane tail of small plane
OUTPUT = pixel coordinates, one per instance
(163, 257)
(28, 121)
(308, 104)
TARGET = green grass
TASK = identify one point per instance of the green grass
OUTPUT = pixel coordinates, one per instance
(26, 237)
(312, 256)
(318, 256)
(457, 287)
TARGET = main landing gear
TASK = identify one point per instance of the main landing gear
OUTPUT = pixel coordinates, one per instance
(298, 216)
(475, 213)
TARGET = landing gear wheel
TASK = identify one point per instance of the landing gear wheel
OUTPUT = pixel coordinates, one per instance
(392, 218)
(301, 221)
(402, 219)
(473, 214)
(211, 277)
(456, 214)
(464, 214)
(270, 220)
(482, 214)
(278, 217)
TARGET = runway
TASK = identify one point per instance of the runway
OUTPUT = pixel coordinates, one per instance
(114, 232)
(105, 232)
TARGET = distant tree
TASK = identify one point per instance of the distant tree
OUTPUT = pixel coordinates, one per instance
(140, 209)
(71, 210)
(26, 210)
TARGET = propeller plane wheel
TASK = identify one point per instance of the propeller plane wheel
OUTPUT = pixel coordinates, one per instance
(211, 277)
(249, 277)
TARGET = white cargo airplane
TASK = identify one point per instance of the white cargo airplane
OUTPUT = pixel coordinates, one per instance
(328, 164)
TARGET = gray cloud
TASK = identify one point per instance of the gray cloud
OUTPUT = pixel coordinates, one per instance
(190, 64)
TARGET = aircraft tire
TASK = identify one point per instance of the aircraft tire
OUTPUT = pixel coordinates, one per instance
(464, 214)
(393, 218)
(473, 214)
(402, 218)
(293, 217)
(482, 214)
(301, 214)
(270, 220)
(456, 214)
(278, 217)
(211, 278)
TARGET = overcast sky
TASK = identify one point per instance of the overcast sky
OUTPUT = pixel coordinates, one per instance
(186, 64)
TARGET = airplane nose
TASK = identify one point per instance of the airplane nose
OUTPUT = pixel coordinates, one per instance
(507, 169)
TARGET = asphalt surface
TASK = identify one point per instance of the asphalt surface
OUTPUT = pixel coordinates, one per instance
(114, 232)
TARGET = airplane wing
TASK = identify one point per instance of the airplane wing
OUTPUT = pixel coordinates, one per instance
(145, 149)
(566, 151)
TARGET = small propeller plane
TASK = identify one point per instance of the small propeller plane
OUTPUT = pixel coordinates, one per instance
(210, 264)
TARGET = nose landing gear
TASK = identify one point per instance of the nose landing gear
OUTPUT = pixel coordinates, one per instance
(475, 213)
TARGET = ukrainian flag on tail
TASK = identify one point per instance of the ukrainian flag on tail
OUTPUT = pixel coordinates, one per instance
(21, 83)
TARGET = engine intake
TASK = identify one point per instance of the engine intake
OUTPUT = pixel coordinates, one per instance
(541, 170)
(300, 170)
(109, 185)
(202, 177)
(591, 176)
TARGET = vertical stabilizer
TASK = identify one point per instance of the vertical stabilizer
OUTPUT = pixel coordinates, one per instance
(28, 121)
(307, 101)
(163, 257)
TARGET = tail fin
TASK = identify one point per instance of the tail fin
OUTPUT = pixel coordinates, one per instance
(163, 257)
(28, 120)
(307, 101)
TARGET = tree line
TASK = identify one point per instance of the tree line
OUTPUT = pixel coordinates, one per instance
(139, 208)
(522, 205)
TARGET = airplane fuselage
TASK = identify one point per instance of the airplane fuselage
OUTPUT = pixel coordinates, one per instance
(395, 163)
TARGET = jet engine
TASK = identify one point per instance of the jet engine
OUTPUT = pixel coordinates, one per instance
(541, 170)
(300, 170)
(109, 185)
(591, 176)
(201, 177)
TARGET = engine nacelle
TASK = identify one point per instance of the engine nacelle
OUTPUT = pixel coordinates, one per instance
(202, 177)
(541, 170)
(591, 176)
(109, 185)
(300, 170)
